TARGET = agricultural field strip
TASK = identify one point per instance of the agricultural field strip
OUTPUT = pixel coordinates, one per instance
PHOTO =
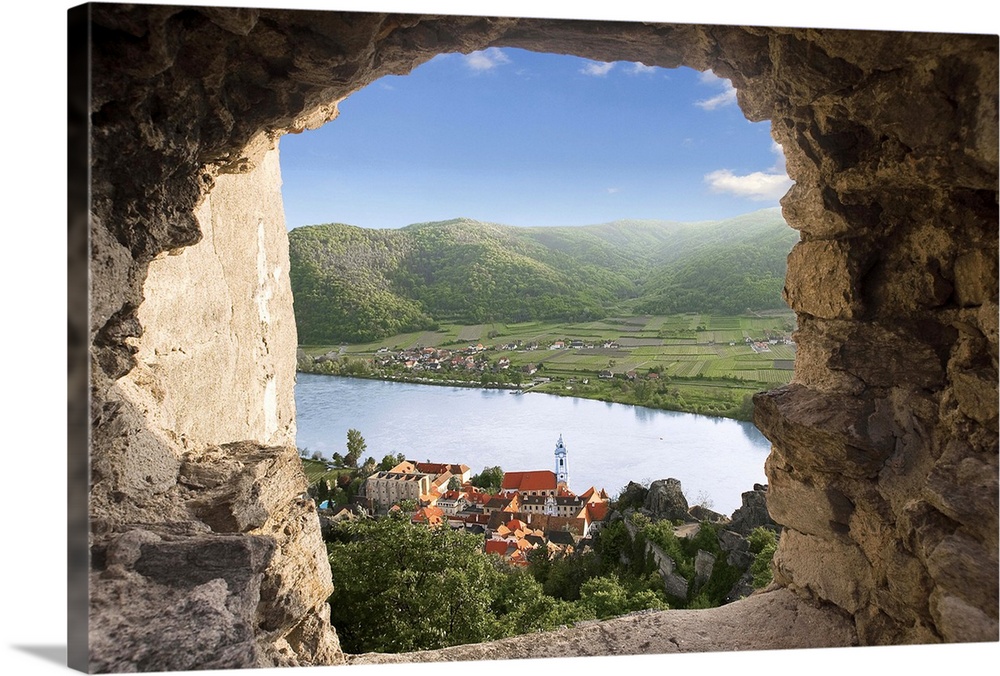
(472, 332)
(707, 354)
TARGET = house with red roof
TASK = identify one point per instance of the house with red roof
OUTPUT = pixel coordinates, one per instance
(498, 547)
(535, 482)
(429, 516)
(597, 511)
(438, 468)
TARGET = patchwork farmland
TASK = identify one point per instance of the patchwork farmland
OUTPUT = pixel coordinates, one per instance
(691, 362)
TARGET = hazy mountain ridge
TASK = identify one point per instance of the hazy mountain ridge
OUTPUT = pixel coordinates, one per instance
(355, 284)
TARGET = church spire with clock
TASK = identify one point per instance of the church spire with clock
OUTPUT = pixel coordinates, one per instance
(562, 466)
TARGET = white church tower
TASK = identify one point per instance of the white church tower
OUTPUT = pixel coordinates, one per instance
(562, 466)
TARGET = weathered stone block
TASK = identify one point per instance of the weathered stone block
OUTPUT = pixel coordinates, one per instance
(960, 558)
(977, 394)
(959, 621)
(805, 505)
(872, 354)
(834, 571)
(963, 486)
(976, 278)
(822, 280)
(821, 432)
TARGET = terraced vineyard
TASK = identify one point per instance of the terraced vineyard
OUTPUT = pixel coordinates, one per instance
(690, 362)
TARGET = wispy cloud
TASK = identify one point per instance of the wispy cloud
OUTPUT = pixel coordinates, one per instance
(708, 77)
(597, 68)
(487, 59)
(612, 191)
(641, 69)
(725, 98)
(759, 186)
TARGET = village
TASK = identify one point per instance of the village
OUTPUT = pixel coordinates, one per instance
(521, 365)
(532, 509)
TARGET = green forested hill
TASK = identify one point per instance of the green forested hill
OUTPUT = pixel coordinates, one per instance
(354, 285)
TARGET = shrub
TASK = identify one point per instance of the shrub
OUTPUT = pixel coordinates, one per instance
(763, 543)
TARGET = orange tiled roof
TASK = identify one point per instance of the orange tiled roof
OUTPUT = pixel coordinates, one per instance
(518, 558)
(516, 524)
(535, 480)
(431, 467)
(429, 515)
(597, 510)
(498, 547)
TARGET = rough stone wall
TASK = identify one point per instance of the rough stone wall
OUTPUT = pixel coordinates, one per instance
(218, 343)
(884, 469)
(884, 466)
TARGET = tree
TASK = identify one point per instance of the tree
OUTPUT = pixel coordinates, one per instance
(454, 484)
(402, 587)
(322, 491)
(490, 479)
(356, 446)
(389, 461)
(642, 390)
(367, 469)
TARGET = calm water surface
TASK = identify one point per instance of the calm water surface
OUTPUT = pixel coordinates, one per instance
(608, 444)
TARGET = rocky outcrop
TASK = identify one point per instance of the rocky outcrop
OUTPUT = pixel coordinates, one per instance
(633, 496)
(884, 467)
(665, 500)
(242, 581)
(752, 513)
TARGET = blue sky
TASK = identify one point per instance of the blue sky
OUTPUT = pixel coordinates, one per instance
(522, 138)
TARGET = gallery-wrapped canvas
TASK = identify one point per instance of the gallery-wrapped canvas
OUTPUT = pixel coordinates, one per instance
(202, 535)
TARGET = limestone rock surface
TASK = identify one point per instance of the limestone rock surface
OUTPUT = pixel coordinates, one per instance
(780, 620)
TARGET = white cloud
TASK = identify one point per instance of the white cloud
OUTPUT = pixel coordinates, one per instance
(728, 97)
(708, 77)
(725, 98)
(597, 68)
(486, 59)
(779, 161)
(612, 191)
(641, 69)
(758, 186)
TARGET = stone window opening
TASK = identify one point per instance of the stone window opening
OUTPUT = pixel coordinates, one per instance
(884, 462)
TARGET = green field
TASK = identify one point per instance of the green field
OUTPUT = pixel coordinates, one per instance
(699, 363)
(316, 470)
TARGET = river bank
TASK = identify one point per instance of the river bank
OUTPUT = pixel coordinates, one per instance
(609, 444)
(710, 397)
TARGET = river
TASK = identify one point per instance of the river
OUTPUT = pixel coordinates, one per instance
(608, 444)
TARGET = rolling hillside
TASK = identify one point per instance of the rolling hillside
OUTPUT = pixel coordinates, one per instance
(355, 285)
